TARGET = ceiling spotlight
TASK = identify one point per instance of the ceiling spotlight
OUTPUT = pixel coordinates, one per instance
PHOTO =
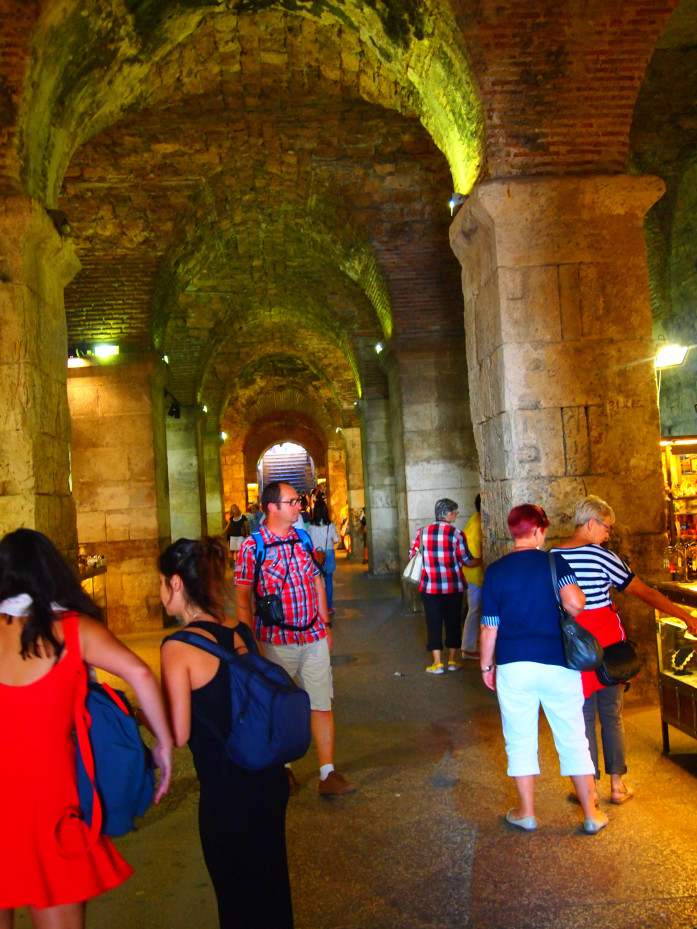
(165, 358)
(204, 408)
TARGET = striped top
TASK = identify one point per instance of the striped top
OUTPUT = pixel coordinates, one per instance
(596, 570)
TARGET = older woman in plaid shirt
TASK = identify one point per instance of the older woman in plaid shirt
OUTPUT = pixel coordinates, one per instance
(442, 585)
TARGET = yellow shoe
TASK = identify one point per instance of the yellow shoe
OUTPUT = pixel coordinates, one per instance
(435, 668)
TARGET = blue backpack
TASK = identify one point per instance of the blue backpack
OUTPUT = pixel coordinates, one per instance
(124, 774)
(115, 770)
(270, 713)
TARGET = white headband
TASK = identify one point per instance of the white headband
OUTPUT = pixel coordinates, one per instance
(21, 604)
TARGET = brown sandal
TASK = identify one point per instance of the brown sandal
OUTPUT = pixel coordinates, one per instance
(621, 796)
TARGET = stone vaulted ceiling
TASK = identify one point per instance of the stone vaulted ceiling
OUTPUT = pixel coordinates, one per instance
(261, 196)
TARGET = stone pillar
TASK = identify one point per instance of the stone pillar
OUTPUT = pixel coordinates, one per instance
(560, 356)
(336, 475)
(183, 472)
(35, 265)
(355, 494)
(118, 461)
(435, 453)
(232, 468)
(211, 479)
(380, 499)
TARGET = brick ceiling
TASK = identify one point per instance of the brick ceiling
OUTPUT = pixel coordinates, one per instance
(258, 189)
(263, 219)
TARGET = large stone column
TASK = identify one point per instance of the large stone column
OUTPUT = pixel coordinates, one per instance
(119, 469)
(183, 473)
(355, 490)
(435, 454)
(560, 356)
(211, 478)
(380, 502)
(35, 265)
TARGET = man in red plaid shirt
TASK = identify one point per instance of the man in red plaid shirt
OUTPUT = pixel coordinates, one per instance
(301, 644)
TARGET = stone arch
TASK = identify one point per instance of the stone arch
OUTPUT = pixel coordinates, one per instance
(87, 72)
(663, 140)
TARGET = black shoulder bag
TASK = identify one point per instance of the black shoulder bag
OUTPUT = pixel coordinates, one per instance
(582, 650)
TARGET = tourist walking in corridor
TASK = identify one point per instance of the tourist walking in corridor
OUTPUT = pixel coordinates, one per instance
(297, 636)
(47, 860)
(324, 536)
(597, 570)
(242, 813)
(522, 659)
(445, 553)
(235, 531)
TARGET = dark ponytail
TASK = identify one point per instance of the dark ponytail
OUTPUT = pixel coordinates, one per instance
(201, 566)
(31, 564)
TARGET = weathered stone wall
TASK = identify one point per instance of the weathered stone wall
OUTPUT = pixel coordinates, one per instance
(563, 387)
(115, 483)
(35, 265)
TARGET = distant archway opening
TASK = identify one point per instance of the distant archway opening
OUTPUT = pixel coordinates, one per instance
(289, 463)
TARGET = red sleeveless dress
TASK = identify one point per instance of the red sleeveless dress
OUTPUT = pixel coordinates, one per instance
(37, 786)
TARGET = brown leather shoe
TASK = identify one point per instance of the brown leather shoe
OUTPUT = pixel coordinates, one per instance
(335, 785)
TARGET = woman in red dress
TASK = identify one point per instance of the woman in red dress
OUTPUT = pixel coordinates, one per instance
(39, 596)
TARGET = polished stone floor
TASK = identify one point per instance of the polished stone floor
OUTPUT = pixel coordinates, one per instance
(423, 844)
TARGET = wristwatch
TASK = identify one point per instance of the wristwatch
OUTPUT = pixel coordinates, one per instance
(490, 668)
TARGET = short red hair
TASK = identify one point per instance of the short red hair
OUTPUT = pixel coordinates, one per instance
(525, 518)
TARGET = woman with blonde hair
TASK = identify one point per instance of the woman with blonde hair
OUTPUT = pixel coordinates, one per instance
(597, 570)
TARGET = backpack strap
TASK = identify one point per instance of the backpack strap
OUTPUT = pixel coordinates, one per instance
(261, 546)
(83, 721)
(217, 650)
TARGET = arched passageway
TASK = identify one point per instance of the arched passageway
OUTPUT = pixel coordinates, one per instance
(257, 193)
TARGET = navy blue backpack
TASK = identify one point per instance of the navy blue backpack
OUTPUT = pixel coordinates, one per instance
(270, 713)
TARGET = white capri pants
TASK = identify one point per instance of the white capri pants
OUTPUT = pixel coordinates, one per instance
(521, 687)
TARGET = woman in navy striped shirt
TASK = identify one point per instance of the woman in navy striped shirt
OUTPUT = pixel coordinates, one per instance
(597, 570)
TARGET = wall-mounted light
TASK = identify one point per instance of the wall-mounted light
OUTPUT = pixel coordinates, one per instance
(338, 429)
(106, 351)
(671, 355)
(456, 200)
(204, 408)
(379, 347)
(223, 436)
(165, 358)
(175, 410)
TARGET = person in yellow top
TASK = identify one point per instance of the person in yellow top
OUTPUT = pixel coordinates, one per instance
(475, 579)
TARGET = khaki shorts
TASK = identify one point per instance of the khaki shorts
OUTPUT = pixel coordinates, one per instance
(310, 666)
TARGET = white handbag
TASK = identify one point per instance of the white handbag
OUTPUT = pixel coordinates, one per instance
(414, 569)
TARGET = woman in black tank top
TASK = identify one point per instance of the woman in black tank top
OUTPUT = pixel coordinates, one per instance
(241, 813)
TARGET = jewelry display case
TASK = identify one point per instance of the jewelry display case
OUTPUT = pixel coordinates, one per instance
(677, 676)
